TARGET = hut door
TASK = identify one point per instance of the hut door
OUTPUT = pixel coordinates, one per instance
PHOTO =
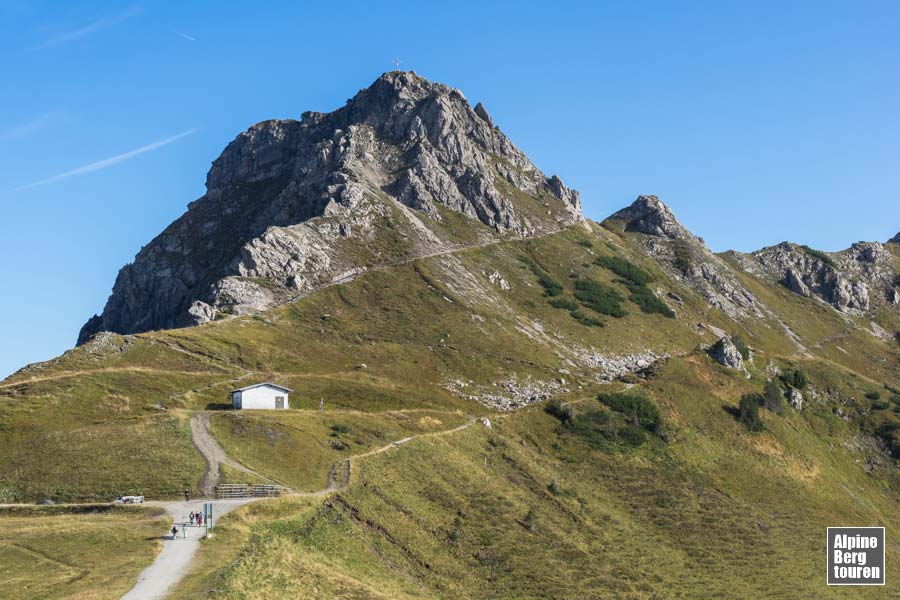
(279, 401)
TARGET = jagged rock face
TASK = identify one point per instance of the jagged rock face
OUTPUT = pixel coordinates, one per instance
(853, 281)
(685, 255)
(291, 205)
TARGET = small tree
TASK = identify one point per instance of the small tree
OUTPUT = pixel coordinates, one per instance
(741, 346)
(772, 396)
(748, 412)
(794, 378)
(455, 530)
(530, 521)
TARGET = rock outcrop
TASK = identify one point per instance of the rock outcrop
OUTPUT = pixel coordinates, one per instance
(795, 398)
(726, 353)
(895, 239)
(684, 255)
(291, 205)
(853, 281)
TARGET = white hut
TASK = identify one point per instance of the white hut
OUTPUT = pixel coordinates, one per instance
(264, 395)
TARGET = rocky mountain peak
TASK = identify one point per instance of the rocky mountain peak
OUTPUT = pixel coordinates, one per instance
(292, 204)
(684, 255)
(895, 239)
(649, 215)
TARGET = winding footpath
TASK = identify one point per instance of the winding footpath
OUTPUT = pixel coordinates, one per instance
(174, 560)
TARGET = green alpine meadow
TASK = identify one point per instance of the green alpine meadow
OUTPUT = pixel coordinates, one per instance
(397, 362)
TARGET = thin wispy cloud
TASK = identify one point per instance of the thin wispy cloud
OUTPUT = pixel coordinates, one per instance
(185, 36)
(107, 162)
(92, 27)
(30, 126)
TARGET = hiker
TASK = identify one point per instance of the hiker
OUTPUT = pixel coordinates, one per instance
(199, 520)
(187, 495)
(174, 531)
(191, 516)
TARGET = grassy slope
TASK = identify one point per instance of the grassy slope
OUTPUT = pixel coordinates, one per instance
(298, 449)
(90, 554)
(716, 512)
(630, 522)
(389, 340)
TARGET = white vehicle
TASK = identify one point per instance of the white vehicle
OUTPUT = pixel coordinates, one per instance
(130, 500)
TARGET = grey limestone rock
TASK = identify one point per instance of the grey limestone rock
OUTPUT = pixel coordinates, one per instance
(686, 255)
(846, 279)
(291, 205)
(726, 353)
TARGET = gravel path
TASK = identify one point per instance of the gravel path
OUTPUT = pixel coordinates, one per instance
(174, 561)
(214, 456)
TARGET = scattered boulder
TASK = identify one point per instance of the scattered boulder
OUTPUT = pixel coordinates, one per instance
(795, 398)
(726, 353)
(201, 312)
(496, 279)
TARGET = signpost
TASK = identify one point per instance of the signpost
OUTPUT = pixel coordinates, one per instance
(208, 518)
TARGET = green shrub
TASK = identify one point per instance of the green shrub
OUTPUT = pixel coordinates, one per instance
(530, 521)
(741, 346)
(625, 269)
(873, 395)
(455, 530)
(636, 280)
(586, 319)
(585, 243)
(794, 378)
(596, 428)
(648, 302)
(818, 254)
(632, 436)
(637, 409)
(339, 428)
(599, 298)
(563, 302)
(748, 412)
(557, 409)
(550, 285)
(773, 397)
(683, 256)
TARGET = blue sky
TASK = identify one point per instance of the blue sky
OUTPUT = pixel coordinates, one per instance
(756, 121)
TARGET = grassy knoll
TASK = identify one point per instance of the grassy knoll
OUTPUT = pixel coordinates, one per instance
(89, 553)
(298, 448)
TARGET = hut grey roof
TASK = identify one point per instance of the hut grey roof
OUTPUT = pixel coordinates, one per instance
(268, 383)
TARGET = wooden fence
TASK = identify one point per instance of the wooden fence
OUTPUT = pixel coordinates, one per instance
(243, 490)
